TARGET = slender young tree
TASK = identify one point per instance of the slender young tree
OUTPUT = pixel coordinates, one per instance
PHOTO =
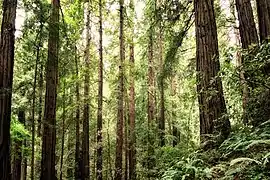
(132, 135)
(17, 161)
(40, 94)
(33, 111)
(151, 104)
(78, 169)
(100, 98)
(63, 129)
(49, 129)
(85, 138)
(175, 131)
(161, 89)
(120, 113)
(263, 13)
(212, 106)
(7, 40)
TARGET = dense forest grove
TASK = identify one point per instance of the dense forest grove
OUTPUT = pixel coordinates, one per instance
(135, 90)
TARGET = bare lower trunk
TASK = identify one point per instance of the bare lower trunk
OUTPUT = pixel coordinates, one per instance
(212, 106)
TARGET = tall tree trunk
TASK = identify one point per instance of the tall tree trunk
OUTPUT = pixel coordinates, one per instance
(100, 98)
(109, 163)
(40, 99)
(175, 131)
(24, 168)
(151, 106)
(212, 106)
(85, 138)
(264, 19)
(126, 134)
(78, 169)
(247, 25)
(120, 113)
(49, 126)
(63, 130)
(7, 41)
(33, 113)
(248, 35)
(17, 162)
(161, 88)
(132, 135)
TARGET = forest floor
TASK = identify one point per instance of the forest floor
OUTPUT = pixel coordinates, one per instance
(245, 155)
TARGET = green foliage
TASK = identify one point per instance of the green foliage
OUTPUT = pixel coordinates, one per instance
(18, 131)
(245, 155)
(256, 68)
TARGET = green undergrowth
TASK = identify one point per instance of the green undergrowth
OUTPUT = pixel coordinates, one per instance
(244, 155)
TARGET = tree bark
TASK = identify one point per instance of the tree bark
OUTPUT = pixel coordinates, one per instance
(175, 131)
(264, 19)
(212, 106)
(161, 88)
(132, 113)
(17, 161)
(85, 138)
(248, 35)
(33, 113)
(120, 113)
(247, 25)
(78, 169)
(151, 105)
(100, 99)
(40, 100)
(7, 41)
(49, 129)
(63, 131)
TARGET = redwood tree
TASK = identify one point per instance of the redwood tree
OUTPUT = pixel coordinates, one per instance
(132, 115)
(100, 98)
(264, 19)
(120, 112)
(85, 137)
(7, 40)
(49, 129)
(212, 106)
(247, 27)
(78, 170)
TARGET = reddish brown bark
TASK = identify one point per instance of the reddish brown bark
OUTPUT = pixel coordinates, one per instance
(120, 112)
(49, 129)
(7, 41)
(132, 134)
(247, 27)
(264, 19)
(209, 86)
